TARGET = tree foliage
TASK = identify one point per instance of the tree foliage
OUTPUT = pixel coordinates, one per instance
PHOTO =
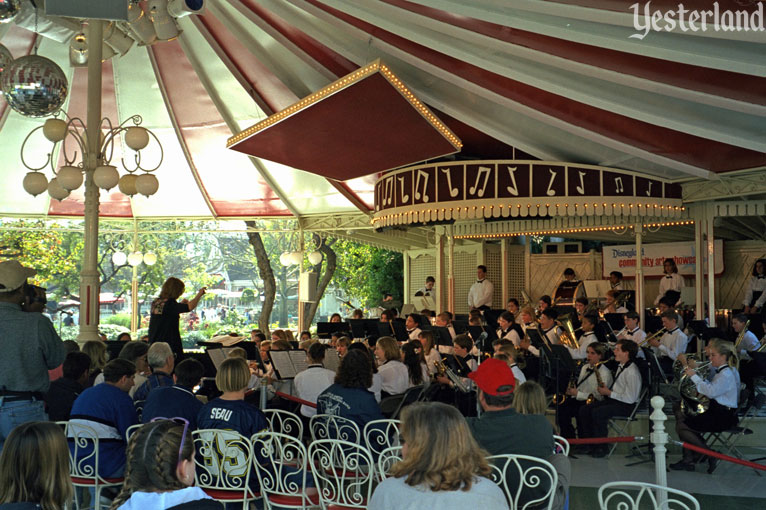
(365, 273)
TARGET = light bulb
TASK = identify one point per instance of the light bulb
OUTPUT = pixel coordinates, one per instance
(119, 258)
(135, 258)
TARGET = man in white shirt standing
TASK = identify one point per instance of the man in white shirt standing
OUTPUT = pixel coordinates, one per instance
(480, 293)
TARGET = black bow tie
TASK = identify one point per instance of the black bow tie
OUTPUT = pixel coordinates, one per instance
(668, 276)
(761, 276)
(629, 333)
(479, 281)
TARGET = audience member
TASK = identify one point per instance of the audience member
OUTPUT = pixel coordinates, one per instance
(393, 373)
(58, 372)
(108, 410)
(34, 469)
(179, 399)
(314, 380)
(159, 473)
(136, 353)
(161, 362)
(96, 350)
(377, 382)
(415, 362)
(65, 390)
(442, 466)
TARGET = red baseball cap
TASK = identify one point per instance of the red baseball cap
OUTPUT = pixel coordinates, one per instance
(493, 374)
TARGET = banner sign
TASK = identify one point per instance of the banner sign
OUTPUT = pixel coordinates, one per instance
(623, 258)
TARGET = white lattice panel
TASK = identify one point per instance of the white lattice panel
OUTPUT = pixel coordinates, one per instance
(492, 259)
(547, 271)
(515, 271)
(739, 258)
(422, 265)
(465, 275)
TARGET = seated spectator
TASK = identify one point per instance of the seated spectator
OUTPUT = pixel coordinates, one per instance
(34, 468)
(136, 353)
(108, 410)
(230, 411)
(314, 380)
(179, 399)
(393, 374)
(377, 383)
(161, 362)
(123, 337)
(415, 363)
(442, 466)
(64, 391)
(349, 397)
(96, 350)
(58, 372)
(160, 470)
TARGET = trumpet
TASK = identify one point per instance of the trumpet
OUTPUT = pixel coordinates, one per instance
(442, 369)
(623, 330)
(659, 333)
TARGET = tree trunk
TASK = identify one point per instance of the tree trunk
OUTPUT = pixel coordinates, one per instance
(267, 276)
(332, 262)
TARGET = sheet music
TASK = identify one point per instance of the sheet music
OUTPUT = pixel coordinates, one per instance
(331, 360)
(216, 356)
(299, 359)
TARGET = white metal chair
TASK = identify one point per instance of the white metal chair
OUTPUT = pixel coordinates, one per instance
(284, 422)
(387, 458)
(343, 472)
(527, 482)
(84, 461)
(635, 495)
(281, 465)
(224, 463)
(132, 430)
(561, 445)
(329, 426)
(381, 434)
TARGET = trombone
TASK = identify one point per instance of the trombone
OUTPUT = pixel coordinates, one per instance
(659, 333)
(741, 336)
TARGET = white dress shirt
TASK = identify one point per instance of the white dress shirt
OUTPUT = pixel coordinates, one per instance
(723, 386)
(638, 335)
(431, 358)
(673, 343)
(310, 383)
(377, 384)
(480, 294)
(749, 343)
(587, 383)
(413, 334)
(756, 284)
(672, 281)
(616, 286)
(511, 335)
(585, 340)
(518, 375)
(394, 377)
(626, 387)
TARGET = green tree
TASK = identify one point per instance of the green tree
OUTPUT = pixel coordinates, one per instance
(365, 273)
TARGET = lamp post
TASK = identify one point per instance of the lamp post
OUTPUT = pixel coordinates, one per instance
(95, 141)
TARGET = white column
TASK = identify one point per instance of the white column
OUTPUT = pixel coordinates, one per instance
(451, 274)
(641, 307)
(134, 315)
(89, 277)
(407, 283)
(440, 294)
(659, 439)
(301, 304)
(504, 271)
(699, 270)
(710, 250)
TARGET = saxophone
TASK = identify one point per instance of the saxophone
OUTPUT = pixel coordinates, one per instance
(599, 382)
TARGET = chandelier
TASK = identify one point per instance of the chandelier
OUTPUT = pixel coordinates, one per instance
(78, 159)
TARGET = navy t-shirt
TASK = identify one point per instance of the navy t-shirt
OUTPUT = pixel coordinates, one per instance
(235, 415)
(170, 402)
(163, 324)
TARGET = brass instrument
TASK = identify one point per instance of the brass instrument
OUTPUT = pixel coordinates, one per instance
(763, 345)
(659, 333)
(741, 336)
(693, 402)
(568, 337)
(560, 398)
(599, 382)
(444, 370)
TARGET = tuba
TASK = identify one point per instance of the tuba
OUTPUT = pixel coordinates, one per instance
(693, 402)
(568, 337)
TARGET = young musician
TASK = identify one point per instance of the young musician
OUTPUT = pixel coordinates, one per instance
(749, 340)
(581, 304)
(461, 362)
(428, 289)
(513, 307)
(611, 303)
(412, 326)
(672, 343)
(527, 318)
(508, 329)
(722, 388)
(430, 352)
(667, 305)
(544, 303)
(444, 320)
(632, 331)
(671, 283)
(480, 293)
(570, 278)
(620, 396)
(755, 296)
(588, 337)
(585, 386)
(615, 281)
(548, 326)
(509, 354)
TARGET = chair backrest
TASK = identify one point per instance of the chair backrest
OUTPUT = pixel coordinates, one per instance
(132, 430)
(528, 482)
(561, 445)
(224, 459)
(343, 471)
(284, 422)
(412, 395)
(633, 495)
(387, 458)
(280, 462)
(381, 434)
(83, 450)
(329, 426)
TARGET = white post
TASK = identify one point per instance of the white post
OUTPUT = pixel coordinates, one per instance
(134, 315)
(659, 439)
(640, 305)
(440, 294)
(710, 264)
(451, 273)
(407, 283)
(506, 292)
(699, 270)
(89, 277)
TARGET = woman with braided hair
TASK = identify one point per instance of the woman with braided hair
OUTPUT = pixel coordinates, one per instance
(159, 473)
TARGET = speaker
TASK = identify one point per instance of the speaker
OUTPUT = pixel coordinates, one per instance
(88, 9)
(308, 287)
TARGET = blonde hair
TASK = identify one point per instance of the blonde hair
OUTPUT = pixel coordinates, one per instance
(172, 288)
(34, 466)
(96, 349)
(727, 349)
(443, 458)
(509, 350)
(427, 340)
(390, 348)
(529, 398)
(238, 352)
(529, 311)
(233, 375)
(152, 459)
(280, 333)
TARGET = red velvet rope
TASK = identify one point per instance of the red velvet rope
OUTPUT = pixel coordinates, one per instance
(605, 440)
(721, 456)
(295, 399)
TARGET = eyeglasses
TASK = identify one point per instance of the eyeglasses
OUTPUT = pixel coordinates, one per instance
(181, 421)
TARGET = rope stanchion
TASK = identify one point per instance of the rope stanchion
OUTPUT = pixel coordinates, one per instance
(721, 456)
(605, 440)
(296, 399)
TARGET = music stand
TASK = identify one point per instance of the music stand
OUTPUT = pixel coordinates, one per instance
(442, 336)
(460, 326)
(652, 323)
(326, 329)
(400, 330)
(616, 320)
(698, 327)
(364, 328)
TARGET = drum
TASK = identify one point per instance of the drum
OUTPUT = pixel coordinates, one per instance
(567, 292)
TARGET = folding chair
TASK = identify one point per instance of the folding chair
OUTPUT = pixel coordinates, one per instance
(620, 424)
(410, 396)
(84, 461)
(633, 495)
(281, 465)
(284, 422)
(527, 482)
(344, 473)
(728, 439)
(224, 463)
(387, 458)
(329, 426)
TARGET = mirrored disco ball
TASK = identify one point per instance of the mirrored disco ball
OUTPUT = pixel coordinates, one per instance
(9, 9)
(34, 86)
(5, 58)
